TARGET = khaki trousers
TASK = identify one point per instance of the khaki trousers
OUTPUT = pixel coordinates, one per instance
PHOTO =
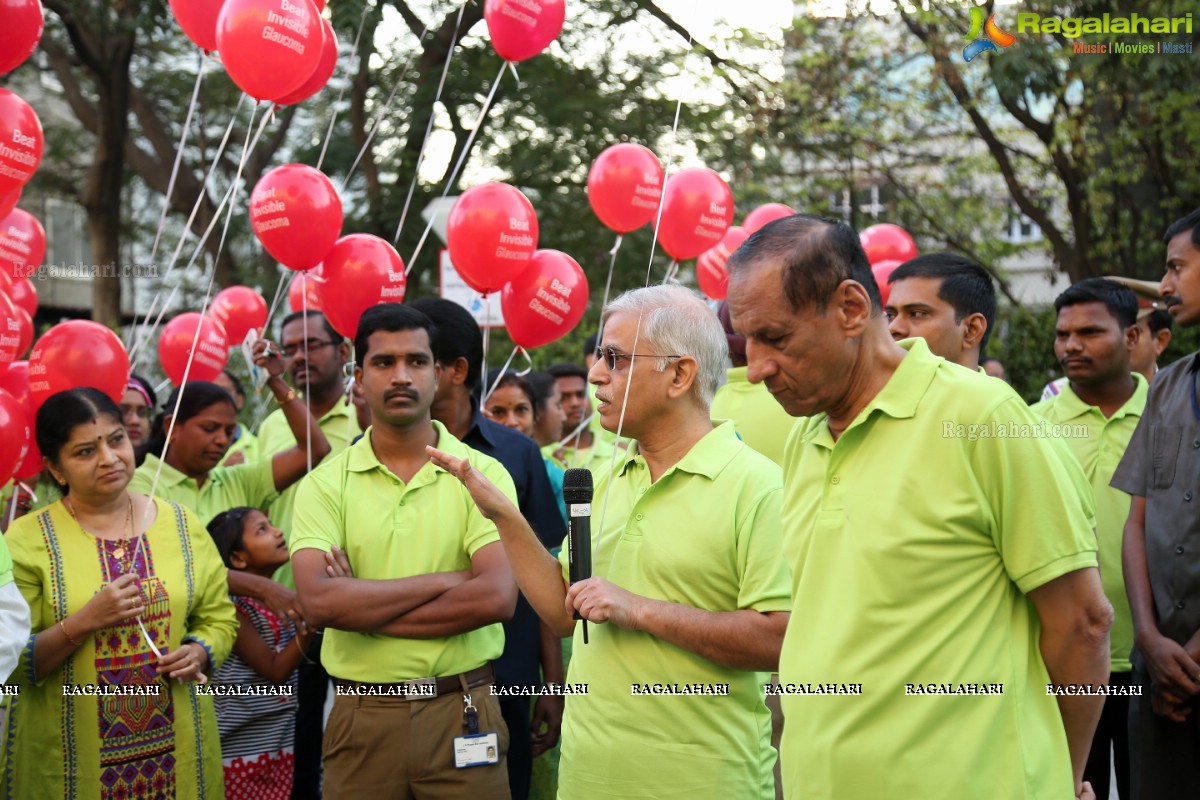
(391, 748)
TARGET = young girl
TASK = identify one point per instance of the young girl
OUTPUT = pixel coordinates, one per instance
(257, 730)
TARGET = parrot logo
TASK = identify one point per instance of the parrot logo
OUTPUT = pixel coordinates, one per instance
(985, 35)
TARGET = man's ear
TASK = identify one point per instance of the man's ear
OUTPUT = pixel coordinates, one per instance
(458, 369)
(683, 375)
(852, 304)
(976, 327)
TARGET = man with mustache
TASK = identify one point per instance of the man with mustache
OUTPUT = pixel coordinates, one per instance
(1096, 334)
(1161, 472)
(412, 633)
(947, 300)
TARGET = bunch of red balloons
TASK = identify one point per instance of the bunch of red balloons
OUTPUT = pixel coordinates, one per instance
(711, 271)
(282, 51)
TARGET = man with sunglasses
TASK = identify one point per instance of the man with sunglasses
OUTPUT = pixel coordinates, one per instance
(316, 356)
(689, 593)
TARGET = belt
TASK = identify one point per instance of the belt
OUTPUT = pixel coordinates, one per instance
(425, 688)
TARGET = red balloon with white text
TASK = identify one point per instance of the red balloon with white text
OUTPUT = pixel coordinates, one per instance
(521, 29)
(269, 47)
(22, 244)
(296, 214)
(492, 233)
(24, 295)
(21, 135)
(765, 214)
(711, 273)
(198, 19)
(625, 186)
(359, 272)
(20, 32)
(175, 347)
(546, 301)
(320, 76)
(15, 381)
(15, 433)
(697, 210)
(304, 283)
(239, 309)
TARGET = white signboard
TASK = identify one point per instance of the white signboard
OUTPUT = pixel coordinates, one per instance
(453, 287)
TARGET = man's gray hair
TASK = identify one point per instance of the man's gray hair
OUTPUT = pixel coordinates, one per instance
(675, 321)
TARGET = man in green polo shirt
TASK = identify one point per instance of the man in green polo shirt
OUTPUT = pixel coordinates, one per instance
(410, 637)
(1095, 336)
(947, 300)
(688, 593)
(943, 564)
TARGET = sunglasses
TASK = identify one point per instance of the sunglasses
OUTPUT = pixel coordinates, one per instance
(612, 357)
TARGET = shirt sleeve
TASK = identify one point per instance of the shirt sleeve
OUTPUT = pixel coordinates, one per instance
(764, 582)
(1042, 507)
(211, 620)
(317, 516)
(482, 531)
(1132, 474)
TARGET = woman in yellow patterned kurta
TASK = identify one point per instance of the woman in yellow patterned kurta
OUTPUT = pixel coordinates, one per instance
(110, 577)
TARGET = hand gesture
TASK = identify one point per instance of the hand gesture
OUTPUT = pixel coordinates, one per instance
(185, 663)
(492, 502)
(598, 600)
(1170, 667)
(548, 711)
(284, 603)
(268, 356)
(337, 565)
(115, 602)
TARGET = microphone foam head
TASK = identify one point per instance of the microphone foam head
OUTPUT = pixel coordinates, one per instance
(577, 485)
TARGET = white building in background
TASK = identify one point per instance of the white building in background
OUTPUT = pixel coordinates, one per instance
(1031, 275)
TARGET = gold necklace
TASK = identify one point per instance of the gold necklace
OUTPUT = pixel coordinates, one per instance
(119, 553)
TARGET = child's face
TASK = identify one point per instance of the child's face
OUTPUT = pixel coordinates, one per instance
(262, 544)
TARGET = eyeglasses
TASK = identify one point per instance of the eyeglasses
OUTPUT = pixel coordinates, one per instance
(141, 412)
(291, 350)
(611, 356)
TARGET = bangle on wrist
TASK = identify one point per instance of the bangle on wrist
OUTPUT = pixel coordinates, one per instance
(289, 397)
(300, 647)
(70, 639)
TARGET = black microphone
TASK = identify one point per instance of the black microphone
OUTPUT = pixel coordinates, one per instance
(577, 493)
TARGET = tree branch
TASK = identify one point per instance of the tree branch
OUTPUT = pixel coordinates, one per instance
(410, 19)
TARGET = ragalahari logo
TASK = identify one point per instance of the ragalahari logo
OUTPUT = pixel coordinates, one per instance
(985, 35)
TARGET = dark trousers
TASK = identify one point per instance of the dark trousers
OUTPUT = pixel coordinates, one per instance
(1112, 733)
(1163, 763)
(310, 719)
(518, 714)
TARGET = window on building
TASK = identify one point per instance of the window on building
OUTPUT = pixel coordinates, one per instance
(1020, 229)
(871, 200)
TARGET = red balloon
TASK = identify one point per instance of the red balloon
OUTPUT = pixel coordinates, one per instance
(491, 233)
(521, 29)
(10, 332)
(546, 301)
(21, 135)
(15, 381)
(697, 211)
(885, 242)
(20, 33)
(22, 244)
(765, 214)
(198, 18)
(320, 76)
(304, 283)
(9, 201)
(175, 346)
(882, 271)
(711, 273)
(624, 186)
(360, 271)
(269, 47)
(26, 333)
(296, 214)
(15, 433)
(6, 286)
(239, 309)
(25, 296)
(78, 352)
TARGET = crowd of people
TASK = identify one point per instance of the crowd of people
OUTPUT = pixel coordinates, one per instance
(832, 555)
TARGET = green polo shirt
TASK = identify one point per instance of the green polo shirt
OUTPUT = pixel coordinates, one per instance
(760, 421)
(225, 488)
(1099, 446)
(597, 459)
(390, 529)
(340, 426)
(706, 534)
(246, 443)
(913, 541)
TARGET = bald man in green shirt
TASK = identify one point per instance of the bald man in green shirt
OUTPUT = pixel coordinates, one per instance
(943, 562)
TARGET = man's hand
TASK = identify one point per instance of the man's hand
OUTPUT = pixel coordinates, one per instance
(1168, 705)
(548, 711)
(488, 498)
(284, 603)
(597, 600)
(1169, 665)
(1086, 793)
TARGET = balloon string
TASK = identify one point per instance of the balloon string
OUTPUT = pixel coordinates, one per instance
(247, 146)
(362, 21)
(504, 369)
(12, 504)
(145, 334)
(512, 67)
(428, 126)
(487, 335)
(283, 279)
(612, 466)
(462, 157)
(187, 124)
(307, 395)
(612, 263)
(672, 271)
